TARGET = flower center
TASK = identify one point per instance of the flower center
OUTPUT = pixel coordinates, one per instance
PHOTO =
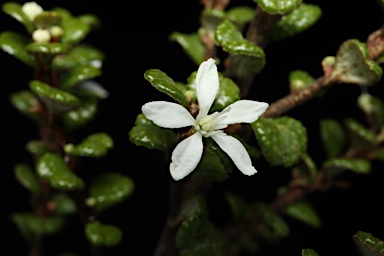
(207, 123)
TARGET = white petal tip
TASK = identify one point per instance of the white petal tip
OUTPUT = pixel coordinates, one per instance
(249, 171)
(176, 174)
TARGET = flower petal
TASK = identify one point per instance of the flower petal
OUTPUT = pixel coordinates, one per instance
(236, 151)
(167, 114)
(186, 156)
(243, 111)
(207, 85)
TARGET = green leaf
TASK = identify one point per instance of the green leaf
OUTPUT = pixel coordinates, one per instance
(26, 176)
(309, 252)
(79, 74)
(228, 93)
(14, 9)
(165, 84)
(333, 137)
(64, 205)
(82, 54)
(211, 167)
(75, 30)
(47, 19)
(37, 147)
(191, 44)
(353, 65)
(278, 6)
(360, 136)
(240, 15)
(90, 19)
(368, 245)
(303, 212)
(361, 166)
(298, 79)
(95, 145)
(102, 234)
(275, 222)
(52, 49)
(238, 206)
(372, 107)
(81, 116)
(56, 100)
(30, 225)
(26, 102)
(283, 140)
(248, 58)
(52, 168)
(145, 133)
(295, 22)
(15, 44)
(109, 189)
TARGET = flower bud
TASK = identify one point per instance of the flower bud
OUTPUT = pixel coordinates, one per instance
(31, 9)
(41, 36)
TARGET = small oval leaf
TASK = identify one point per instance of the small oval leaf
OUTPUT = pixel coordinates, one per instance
(26, 103)
(81, 116)
(368, 245)
(298, 79)
(95, 145)
(278, 6)
(15, 44)
(361, 166)
(26, 176)
(309, 252)
(333, 137)
(191, 44)
(14, 9)
(304, 212)
(75, 30)
(102, 234)
(79, 74)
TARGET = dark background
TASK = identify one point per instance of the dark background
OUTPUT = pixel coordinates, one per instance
(134, 37)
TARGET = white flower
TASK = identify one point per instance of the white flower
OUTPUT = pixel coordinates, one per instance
(31, 9)
(41, 35)
(188, 152)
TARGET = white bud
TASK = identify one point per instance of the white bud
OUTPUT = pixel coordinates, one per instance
(31, 9)
(41, 36)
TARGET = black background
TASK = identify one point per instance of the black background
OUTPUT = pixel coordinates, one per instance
(134, 37)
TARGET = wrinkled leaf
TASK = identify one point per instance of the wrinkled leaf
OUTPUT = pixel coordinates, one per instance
(297, 21)
(102, 234)
(145, 133)
(109, 189)
(353, 65)
(278, 6)
(26, 176)
(165, 84)
(15, 44)
(333, 137)
(283, 140)
(52, 168)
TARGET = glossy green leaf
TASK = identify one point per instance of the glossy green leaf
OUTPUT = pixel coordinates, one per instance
(63, 204)
(304, 212)
(210, 19)
(95, 145)
(309, 252)
(56, 100)
(275, 222)
(372, 107)
(47, 19)
(353, 65)
(211, 167)
(249, 58)
(26, 176)
(109, 189)
(145, 133)
(103, 235)
(191, 44)
(30, 225)
(79, 74)
(360, 136)
(368, 245)
(26, 102)
(75, 30)
(82, 54)
(238, 206)
(47, 48)
(52, 168)
(298, 79)
(361, 166)
(80, 116)
(295, 22)
(283, 140)
(15, 44)
(165, 84)
(197, 235)
(278, 6)
(333, 137)
(229, 92)
(37, 147)
(14, 9)
(240, 15)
